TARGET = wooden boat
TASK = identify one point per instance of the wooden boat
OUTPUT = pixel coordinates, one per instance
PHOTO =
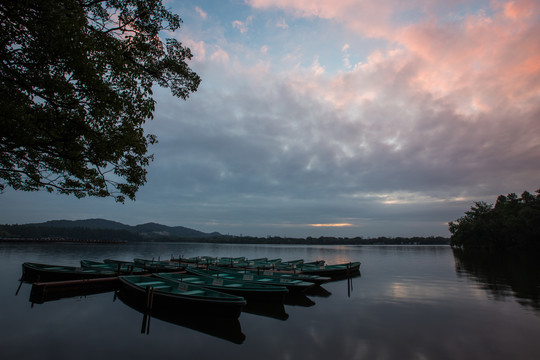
(315, 263)
(196, 260)
(295, 264)
(229, 261)
(249, 291)
(333, 271)
(119, 268)
(158, 266)
(292, 285)
(165, 294)
(54, 290)
(318, 280)
(33, 272)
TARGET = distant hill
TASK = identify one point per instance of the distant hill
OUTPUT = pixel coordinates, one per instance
(150, 230)
(102, 230)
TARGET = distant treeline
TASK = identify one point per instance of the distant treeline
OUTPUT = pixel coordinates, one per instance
(66, 234)
(512, 223)
(44, 233)
(323, 240)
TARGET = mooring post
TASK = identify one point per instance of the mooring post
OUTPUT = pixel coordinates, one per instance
(349, 280)
(19, 288)
(150, 311)
(143, 328)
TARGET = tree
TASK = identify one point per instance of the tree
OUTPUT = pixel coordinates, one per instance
(513, 222)
(76, 88)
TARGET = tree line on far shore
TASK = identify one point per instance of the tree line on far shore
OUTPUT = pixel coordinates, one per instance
(78, 234)
(513, 222)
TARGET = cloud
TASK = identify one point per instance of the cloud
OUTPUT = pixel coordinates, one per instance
(201, 12)
(282, 24)
(242, 26)
(429, 120)
(220, 55)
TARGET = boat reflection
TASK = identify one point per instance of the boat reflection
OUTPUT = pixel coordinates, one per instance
(274, 310)
(298, 299)
(318, 291)
(224, 328)
(503, 274)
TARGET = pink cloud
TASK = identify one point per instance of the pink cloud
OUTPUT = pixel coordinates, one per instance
(220, 55)
(477, 61)
(520, 9)
(203, 14)
(368, 17)
(489, 59)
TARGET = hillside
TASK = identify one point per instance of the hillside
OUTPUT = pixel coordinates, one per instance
(101, 228)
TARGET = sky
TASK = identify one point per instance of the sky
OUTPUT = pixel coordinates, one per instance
(335, 118)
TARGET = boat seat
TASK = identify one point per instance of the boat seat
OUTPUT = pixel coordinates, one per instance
(150, 283)
(233, 285)
(192, 292)
(162, 287)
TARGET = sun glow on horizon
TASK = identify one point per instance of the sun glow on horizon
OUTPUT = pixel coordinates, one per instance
(331, 225)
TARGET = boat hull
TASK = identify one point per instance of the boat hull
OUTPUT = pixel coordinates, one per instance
(333, 271)
(250, 292)
(181, 305)
(33, 272)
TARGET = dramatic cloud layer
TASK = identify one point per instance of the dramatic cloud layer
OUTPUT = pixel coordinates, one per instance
(339, 117)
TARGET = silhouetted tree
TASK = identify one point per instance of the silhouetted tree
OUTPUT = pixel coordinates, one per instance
(513, 222)
(76, 81)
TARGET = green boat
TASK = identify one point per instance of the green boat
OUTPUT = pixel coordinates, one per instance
(295, 264)
(119, 268)
(249, 291)
(158, 266)
(333, 271)
(229, 261)
(319, 280)
(292, 285)
(169, 295)
(33, 272)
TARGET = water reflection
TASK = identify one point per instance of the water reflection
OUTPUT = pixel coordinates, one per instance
(503, 274)
(224, 328)
(274, 310)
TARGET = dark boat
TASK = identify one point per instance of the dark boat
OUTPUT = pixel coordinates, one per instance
(165, 294)
(283, 275)
(34, 272)
(158, 266)
(249, 291)
(119, 268)
(333, 271)
(292, 285)
(42, 292)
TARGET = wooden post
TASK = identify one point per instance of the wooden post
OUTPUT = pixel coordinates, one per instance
(145, 317)
(349, 282)
(151, 303)
(19, 288)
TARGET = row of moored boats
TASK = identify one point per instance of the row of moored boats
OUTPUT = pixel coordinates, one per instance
(200, 285)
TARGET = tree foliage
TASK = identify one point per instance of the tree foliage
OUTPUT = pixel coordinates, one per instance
(76, 88)
(512, 222)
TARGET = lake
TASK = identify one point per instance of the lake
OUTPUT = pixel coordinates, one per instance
(410, 302)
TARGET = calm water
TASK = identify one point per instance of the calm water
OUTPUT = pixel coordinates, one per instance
(414, 302)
